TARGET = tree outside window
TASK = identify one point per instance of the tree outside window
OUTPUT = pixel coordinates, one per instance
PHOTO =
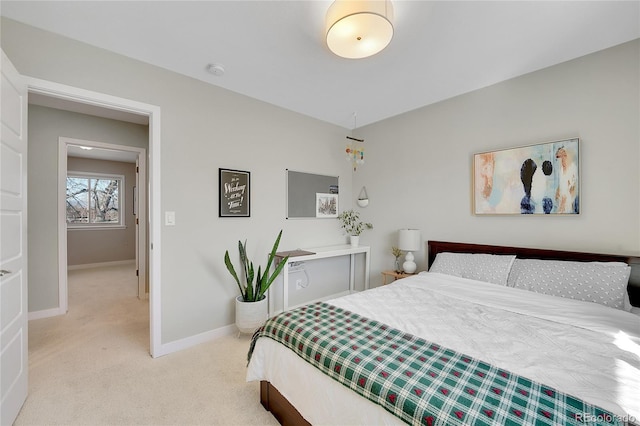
(94, 200)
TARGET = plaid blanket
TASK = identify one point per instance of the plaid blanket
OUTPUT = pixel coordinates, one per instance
(418, 381)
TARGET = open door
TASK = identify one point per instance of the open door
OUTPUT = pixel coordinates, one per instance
(140, 203)
(13, 243)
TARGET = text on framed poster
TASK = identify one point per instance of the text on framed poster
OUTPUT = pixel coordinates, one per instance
(234, 193)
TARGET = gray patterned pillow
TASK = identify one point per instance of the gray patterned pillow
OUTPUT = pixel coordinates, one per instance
(599, 282)
(490, 268)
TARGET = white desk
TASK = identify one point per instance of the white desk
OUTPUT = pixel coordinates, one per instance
(323, 253)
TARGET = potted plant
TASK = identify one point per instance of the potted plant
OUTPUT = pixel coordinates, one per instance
(251, 305)
(353, 226)
(396, 252)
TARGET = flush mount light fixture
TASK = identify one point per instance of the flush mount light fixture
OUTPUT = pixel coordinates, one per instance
(359, 28)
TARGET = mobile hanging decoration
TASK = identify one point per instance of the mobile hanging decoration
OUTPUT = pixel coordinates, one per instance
(355, 148)
(355, 151)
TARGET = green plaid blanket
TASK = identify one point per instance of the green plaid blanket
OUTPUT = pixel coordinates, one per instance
(418, 381)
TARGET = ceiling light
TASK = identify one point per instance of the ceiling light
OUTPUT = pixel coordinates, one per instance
(86, 148)
(359, 28)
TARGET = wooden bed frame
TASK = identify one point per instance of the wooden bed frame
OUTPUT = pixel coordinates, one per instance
(272, 400)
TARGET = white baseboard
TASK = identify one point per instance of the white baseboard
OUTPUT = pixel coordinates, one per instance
(178, 345)
(46, 313)
(96, 265)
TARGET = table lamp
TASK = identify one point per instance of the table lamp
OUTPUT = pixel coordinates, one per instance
(409, 241)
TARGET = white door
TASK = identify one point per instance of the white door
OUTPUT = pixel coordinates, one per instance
(137, 219)
(141, 225)
(13, 242)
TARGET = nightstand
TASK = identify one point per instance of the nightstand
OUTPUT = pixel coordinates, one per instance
(394, 274)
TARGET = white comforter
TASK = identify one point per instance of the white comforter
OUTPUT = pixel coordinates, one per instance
(583, 349)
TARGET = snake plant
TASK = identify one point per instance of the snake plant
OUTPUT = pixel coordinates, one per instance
(250, 291)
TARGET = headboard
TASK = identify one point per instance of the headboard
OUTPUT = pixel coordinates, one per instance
(633, 288)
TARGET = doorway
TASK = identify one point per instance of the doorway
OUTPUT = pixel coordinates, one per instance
(131, 199)
(79, 100)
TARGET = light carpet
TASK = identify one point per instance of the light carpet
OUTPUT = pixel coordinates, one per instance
(92, 366)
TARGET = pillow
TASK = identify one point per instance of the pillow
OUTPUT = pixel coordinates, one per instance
(490, 268)
(599, 282)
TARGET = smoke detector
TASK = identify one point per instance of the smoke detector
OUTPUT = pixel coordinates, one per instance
(215, 69)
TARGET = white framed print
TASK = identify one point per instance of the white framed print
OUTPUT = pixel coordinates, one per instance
(326, 205)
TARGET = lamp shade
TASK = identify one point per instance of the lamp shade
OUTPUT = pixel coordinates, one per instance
(409, 239)
(359, 28)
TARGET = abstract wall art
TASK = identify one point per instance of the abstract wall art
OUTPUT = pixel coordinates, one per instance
(535, 179)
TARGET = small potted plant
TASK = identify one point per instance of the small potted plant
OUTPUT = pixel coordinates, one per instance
(251, 306)
(353, 226)
(397, 253)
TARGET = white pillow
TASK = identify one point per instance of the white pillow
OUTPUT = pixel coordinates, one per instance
(599, 282)
(490, 268)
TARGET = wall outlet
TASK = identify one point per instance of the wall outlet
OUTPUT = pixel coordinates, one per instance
(298, 284)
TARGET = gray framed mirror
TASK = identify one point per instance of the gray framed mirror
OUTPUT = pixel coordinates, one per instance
(306, 190)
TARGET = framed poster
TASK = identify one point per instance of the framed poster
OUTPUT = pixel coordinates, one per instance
(326, 205)
(536, 179)
(235, 196)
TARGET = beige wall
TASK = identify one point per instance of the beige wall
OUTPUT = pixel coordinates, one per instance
(203, 128)
(87, 246)
(417, 170)
(46, 125)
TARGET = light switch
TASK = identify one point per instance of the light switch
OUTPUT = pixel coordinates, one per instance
(170, 218)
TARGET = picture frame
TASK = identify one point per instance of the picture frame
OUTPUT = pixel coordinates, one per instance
(234, 188)
(326, 205)
(540, 179)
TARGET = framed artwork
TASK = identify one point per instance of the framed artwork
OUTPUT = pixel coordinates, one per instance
(326, 205)
(235, 196)
(536, 179)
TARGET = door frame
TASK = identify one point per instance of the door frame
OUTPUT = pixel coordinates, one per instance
(140, 207)
(82, 96)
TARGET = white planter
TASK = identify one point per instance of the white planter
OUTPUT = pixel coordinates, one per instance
(250, 315)
(355, 240)
(363, 202)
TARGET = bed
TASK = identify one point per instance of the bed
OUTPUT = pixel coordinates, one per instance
(582, 358)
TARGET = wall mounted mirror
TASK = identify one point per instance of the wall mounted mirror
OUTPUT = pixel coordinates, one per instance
(303, 200)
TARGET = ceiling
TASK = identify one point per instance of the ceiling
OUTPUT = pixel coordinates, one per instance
(274, 51)
(101, 153)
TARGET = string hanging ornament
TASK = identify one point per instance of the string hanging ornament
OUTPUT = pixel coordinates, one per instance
(355, 149)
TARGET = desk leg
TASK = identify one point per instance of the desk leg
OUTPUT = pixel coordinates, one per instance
(285, 287)
(352, 272)
(367, 264)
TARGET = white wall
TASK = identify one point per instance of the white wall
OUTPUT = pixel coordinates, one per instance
(203, 128)
(418, 169)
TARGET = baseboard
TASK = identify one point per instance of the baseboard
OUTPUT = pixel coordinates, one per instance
(46, 313)
(96, 265)
(178, 345)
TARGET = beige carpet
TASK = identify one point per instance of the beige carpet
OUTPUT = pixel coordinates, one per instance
(92, 366)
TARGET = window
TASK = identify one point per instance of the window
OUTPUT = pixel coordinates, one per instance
(94, 200)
